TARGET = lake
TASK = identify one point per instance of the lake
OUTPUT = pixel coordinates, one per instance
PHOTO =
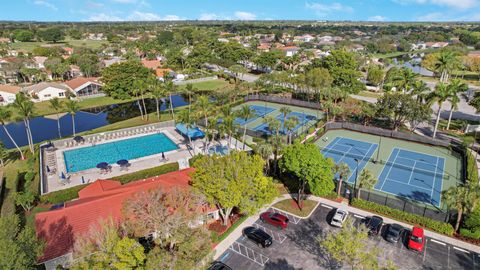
(44, 129)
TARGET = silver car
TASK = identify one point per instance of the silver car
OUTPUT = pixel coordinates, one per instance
(339, 218)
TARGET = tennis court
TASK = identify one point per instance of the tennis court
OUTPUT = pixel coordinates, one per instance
(414, 175)
(259, 111)
(302, 119)
(352, 152)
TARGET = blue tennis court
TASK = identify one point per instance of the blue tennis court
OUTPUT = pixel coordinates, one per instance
(413, 175)
(349, 151)
(301, 117)
(259, 111)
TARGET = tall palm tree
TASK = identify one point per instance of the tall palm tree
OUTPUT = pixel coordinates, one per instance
(187, 120)
(141, 88)
(189, 90)
(342, 169)
(72, 108)
(405, 80)
(25, 107)
(455, 87)
(420, 89)
(157, 91)
(5, 115)
(463, 198)
(56, 105)
(265, 150)
(203, 106)
(245, 113)
(170, 89)
(290, 125)
(439, 96)
(365, 180)
(284, 111)
(230, 126)
(445, 63)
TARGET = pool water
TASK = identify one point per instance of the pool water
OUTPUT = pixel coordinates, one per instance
(88, 157)
(219, 150)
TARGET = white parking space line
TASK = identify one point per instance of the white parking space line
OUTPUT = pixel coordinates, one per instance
(249, 253)
(326, 206)
(358, 216)
(438, 242)
(462, 250)
(425, 251)
(292, 219)
(276, 235)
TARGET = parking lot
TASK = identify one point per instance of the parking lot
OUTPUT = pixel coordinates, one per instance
(297, 248)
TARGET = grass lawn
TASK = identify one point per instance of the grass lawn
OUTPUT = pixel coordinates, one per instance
(29, 46)
(291, 206)
(369, 94)
(13, 166)
(396, 54)
(210, 85)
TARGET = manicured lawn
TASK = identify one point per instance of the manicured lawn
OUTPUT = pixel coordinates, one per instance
(369, 94)
(210, 85)
(291, 206)
(29, 46)
(13, 166)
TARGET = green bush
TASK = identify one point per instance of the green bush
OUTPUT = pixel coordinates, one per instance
(72, 193)
(216, 238)
(434, 225)
(472, 170)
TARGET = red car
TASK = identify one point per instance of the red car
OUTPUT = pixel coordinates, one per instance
(416, 240)
(278, 220)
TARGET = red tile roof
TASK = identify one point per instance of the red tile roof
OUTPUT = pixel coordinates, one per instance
(79, 81)
(99, 200)
(151, 64)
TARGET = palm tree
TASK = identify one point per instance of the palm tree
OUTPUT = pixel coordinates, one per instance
(56, 105)
(405, 80)
(265, 150)
(446, 62)
(157, 91)
(284, 111)
(170, 89)
(229, 126)
(421, 90)
(203, 106)
(25, 109)
(189, 91)
(245, 113)
(456, 86)
(463, 198)
(3, 153)
(290, 125)
(5, 115)
(187, 120)
(343, 170)
(365, 180)
(141, 86)
(439, 96)
(72, 108)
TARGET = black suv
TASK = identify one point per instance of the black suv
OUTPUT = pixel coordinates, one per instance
(258, 236)
(393, 233)
(374, 224)
(219, 266)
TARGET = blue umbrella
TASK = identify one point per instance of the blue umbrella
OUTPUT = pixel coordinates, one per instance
(122, 162)
(62, 176)
(102, 165)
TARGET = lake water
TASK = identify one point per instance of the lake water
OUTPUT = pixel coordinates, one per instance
(413, 63)
(44, 129)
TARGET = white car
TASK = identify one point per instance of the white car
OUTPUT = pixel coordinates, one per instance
(339, 218)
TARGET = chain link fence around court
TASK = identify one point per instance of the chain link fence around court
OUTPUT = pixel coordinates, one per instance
(283, 100)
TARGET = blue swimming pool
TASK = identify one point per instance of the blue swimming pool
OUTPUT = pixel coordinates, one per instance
(88, 157)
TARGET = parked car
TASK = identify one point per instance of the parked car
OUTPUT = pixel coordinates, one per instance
(339, 218)
(374, 225)
(259, 236)
(416, 241)
(219, 266)
(276, 219)
(393, 233)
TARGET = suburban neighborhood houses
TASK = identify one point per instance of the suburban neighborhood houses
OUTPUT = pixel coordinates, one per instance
(253, 135)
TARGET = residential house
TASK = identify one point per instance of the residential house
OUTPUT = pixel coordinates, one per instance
(290, 50)
(40, 61)
(356, 48)
(7, 93)
(162, 72)
(8, 69)
(265, 47)
(46, 91)
(74, 71)
(99, 200)
(151, 64)
(68, 50)
(5, 40)
(111, 61)
(436, 45)
(85, 87)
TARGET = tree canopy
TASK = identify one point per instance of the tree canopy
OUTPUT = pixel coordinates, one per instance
(119, 78)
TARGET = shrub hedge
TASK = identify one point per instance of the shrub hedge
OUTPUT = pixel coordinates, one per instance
(472, 170)
(434, 225)
(72, 193)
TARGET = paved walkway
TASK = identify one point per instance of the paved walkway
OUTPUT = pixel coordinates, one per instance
(225, 244)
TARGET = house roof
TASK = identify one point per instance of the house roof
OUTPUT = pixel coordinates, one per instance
(152, 64)
(79, 81)
(41, 86)
(160, 72)
(12, 89)
(100, 200)
(40, 59)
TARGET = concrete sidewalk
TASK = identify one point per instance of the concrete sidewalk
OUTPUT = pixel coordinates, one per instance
(223, 246)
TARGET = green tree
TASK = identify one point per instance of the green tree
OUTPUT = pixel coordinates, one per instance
(3, 154)
(318, 78)
(25, 199)
(20, 247)
(119, 78)
(445, 63)
(89, 64)
(439, 96)
(170, 88)
(285, 111)
(365, 180)
(471, 225)
(25, 109)
(5, 116)
(157, 91)
(463, 198)
(306, 163)
(140, 91)
(238, 71)
(52, 34)
(290, 125)
(375, 74)
(350, 246)
(239, 182)
(265, 150)
(245, 113)
(398, 108)
(342, 66)
(23, 35)
(72, 107)
(188, 120)
(342, 169)
(455, 87)
(57, 106)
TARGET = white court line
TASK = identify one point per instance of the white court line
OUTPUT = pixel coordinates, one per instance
(407, 184)
(411, 173)
(326, 206)
(435, 179)
(358, 216)
(389, 170)
(438, 242)
(461, 249)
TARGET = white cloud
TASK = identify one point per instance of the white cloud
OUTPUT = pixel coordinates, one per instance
(242, 15)
(208, 16)
(430, 17)
(102, 17)
(172, 18)
(460, 4)
(325, 9)
(143, 16)
(377, 18)
(94, 5)
(45, 4)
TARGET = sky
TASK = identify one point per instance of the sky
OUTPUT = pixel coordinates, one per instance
(156, 10)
